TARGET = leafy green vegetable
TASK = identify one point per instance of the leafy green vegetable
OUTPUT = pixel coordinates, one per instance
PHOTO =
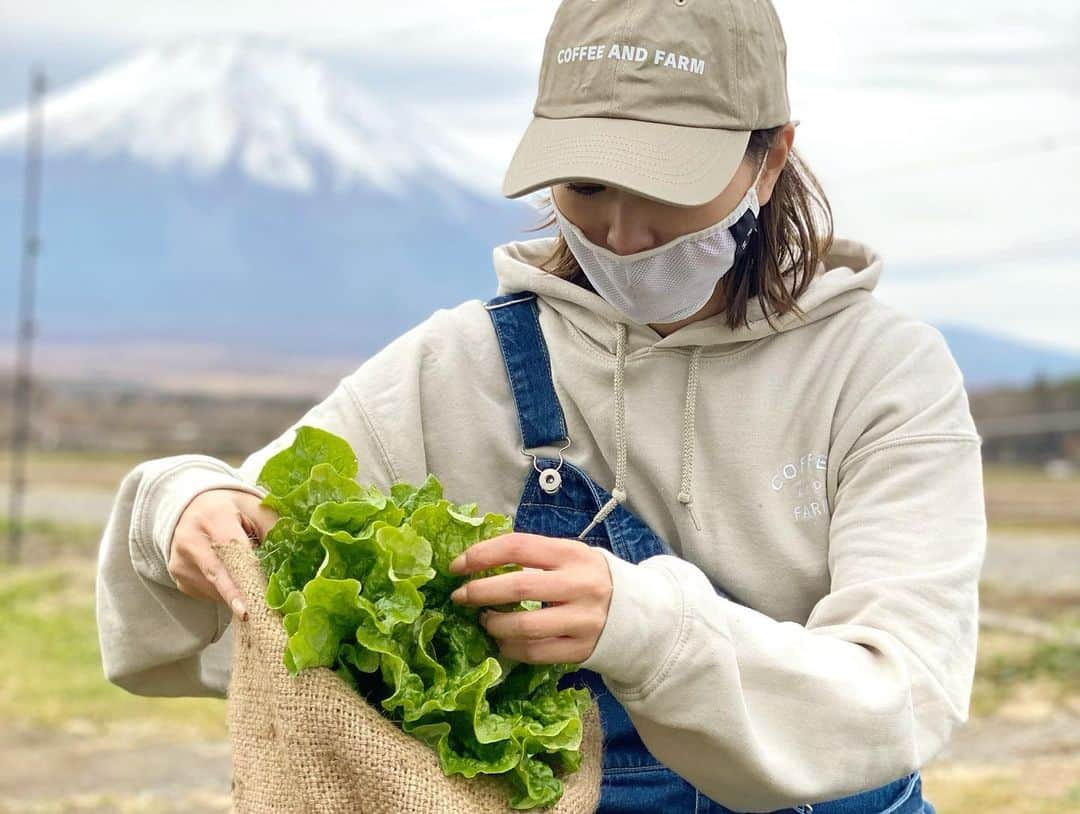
(362, 582)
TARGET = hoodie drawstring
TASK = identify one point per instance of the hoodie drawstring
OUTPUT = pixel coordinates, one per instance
(618, 494)
(688, 440)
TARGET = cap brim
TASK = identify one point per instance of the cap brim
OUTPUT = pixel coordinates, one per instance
(673, 164)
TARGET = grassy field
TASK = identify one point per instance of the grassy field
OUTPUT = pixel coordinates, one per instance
(1026, 497)
(101, 469)
(1036, 786)
(48, 613)
(1012, 757)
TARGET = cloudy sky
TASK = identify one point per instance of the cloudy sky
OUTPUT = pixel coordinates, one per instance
(946, 135)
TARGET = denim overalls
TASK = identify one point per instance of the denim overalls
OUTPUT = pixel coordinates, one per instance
(560, 500)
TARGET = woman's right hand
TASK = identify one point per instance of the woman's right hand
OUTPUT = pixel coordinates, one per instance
(215, 515)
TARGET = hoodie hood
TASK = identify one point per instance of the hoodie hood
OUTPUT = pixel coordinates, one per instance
(844, 275)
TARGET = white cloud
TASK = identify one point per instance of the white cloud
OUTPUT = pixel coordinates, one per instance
(493, 32)
(1036, 301)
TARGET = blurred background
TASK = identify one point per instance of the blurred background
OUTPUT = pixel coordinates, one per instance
(150, 155)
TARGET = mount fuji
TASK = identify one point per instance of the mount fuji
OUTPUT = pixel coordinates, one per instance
(236, 190)
(238, 195)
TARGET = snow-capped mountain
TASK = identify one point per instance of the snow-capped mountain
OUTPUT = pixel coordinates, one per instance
(279, 115)
(240, 189)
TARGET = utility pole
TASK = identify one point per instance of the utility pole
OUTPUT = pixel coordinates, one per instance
(31, 247)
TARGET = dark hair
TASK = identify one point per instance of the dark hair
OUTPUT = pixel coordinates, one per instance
(786, 247)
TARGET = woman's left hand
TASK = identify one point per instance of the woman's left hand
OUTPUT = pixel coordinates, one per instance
(570, 575)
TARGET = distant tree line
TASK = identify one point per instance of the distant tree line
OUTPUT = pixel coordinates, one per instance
(1033, 424)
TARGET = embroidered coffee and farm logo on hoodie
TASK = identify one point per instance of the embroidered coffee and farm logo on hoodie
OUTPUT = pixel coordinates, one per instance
(802, 485)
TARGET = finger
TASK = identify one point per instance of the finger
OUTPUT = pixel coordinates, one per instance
(251, 528)
(561, 620)
(545, 651)
(263, 517)
(214, 572)
(193, 584)
(266, 518)
(545, 586)
(523, 548)
(183, 570)
(238, 511)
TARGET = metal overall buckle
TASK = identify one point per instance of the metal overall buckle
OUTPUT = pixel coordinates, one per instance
(550, 479)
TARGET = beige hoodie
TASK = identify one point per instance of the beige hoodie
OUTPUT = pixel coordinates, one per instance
(827, 476)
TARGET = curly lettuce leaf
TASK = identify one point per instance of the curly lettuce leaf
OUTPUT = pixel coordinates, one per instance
(362, 582)
(291, 467)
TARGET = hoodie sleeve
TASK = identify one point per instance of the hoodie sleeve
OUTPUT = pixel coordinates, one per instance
(154, 639)
(761, 714)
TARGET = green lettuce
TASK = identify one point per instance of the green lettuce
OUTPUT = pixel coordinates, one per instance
(362, 582)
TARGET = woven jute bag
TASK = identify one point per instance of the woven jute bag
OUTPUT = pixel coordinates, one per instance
(310, 744)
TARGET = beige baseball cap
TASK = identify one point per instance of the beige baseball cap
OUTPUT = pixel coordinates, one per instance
(655, 96)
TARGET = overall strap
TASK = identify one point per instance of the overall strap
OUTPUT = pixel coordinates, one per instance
(516, 318)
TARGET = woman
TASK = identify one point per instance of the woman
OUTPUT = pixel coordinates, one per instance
(776, 602)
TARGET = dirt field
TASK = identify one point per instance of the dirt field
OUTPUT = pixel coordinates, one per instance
(70, 742)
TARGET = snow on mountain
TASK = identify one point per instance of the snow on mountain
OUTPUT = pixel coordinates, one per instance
(237, 188)
(279, 115)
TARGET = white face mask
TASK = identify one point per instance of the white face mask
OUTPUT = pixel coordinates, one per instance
(669, 282)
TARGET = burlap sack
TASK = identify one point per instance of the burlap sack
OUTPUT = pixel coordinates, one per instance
(310, 744)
